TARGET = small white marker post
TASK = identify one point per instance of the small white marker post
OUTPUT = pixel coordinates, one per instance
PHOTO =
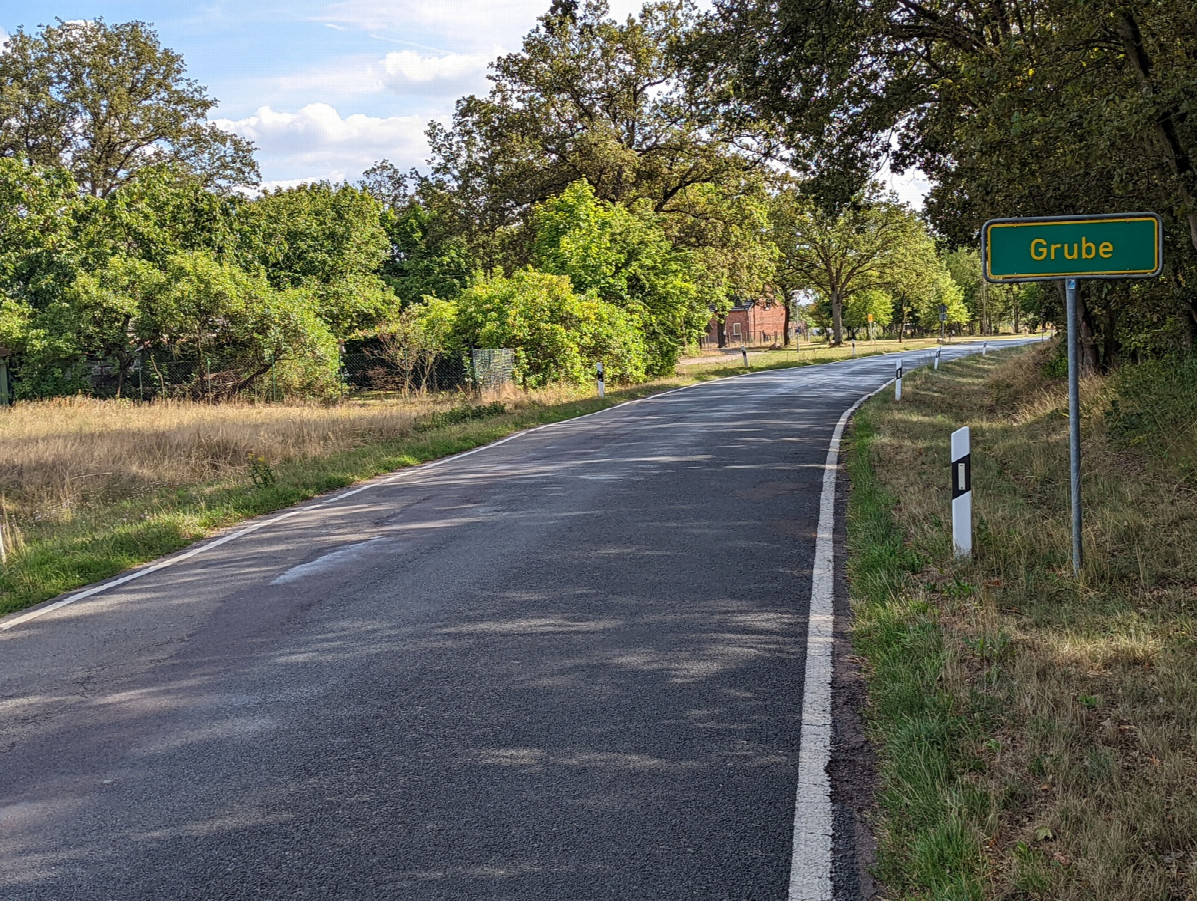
(898, 381)
(602, 388)
(853, 347)
(962, 494)
(937, 359)
(984, 348)
(744, 354)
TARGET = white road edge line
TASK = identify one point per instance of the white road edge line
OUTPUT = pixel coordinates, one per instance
(810, 864)
(304, 506)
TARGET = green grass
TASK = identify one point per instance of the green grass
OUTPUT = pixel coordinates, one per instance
(1037, 735)
(928, 849)
(102, 540)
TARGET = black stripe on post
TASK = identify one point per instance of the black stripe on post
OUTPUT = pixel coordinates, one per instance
(962, 476)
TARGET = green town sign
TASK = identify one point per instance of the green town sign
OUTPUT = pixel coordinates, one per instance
(1125, 245)
(1073, 248)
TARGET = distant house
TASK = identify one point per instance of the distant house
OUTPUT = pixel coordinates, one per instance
(760, 320)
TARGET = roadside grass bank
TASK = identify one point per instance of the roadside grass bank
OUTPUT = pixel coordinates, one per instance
(807, 353)
(1037, 737)
(90, 488)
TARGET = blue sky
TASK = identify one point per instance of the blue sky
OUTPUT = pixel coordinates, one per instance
(325, 89)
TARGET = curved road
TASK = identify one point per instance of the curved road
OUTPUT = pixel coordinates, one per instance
(566, 666)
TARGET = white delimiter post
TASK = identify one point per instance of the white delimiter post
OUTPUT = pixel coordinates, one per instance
(962, 494)
(602, 389)
(898, 381)
(937, 359)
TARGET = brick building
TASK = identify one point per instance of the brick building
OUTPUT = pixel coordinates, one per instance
(758, 321)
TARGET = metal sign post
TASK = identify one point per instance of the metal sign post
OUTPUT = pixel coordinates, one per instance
(1074, 423)
(1118, 245)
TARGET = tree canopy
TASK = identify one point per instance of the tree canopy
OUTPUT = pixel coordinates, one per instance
(877, 244)
(1012, 108)
(104, 101)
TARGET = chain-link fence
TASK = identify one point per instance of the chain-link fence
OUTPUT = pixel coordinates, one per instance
(383, 372)
(493, 367)
(212, 378)
(216, 378)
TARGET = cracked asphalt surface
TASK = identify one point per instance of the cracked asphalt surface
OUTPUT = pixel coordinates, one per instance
(568, 666)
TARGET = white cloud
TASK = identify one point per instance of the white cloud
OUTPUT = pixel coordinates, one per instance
(407, 67)
(318, 143)
(422, 81)
(464, 23)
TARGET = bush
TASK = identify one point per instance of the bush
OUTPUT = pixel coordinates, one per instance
(557, 336)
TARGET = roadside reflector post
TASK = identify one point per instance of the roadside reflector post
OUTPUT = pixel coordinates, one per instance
(937, 359)
(853, 347)
(744, 354)
(984, 348)
(898, 381)
(962, 494)
(602, 388)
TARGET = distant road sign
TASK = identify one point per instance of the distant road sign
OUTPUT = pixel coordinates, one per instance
(1123, 245)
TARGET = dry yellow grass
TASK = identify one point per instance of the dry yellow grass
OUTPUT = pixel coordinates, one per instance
(1083, 696)
(57, 455)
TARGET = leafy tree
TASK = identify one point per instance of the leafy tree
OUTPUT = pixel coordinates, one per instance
(431, 251)
(327, 240)
(624, 258)
(211, 309)
(104, 101)
(944, 294)
(160, 211)
(38, 247)
(1016, 108)
(426, 258)
(878, 244)
(869, 302)
(591, 98)
(101, 318)
(727, 232)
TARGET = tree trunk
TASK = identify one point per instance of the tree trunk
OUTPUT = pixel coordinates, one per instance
(837, 318)
(1177, 154)
(787, 301)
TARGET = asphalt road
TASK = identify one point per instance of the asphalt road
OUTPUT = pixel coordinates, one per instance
(568, 666)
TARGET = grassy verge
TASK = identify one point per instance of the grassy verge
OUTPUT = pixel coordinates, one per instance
(91, 488)
(1037, 736)
(808, 354)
